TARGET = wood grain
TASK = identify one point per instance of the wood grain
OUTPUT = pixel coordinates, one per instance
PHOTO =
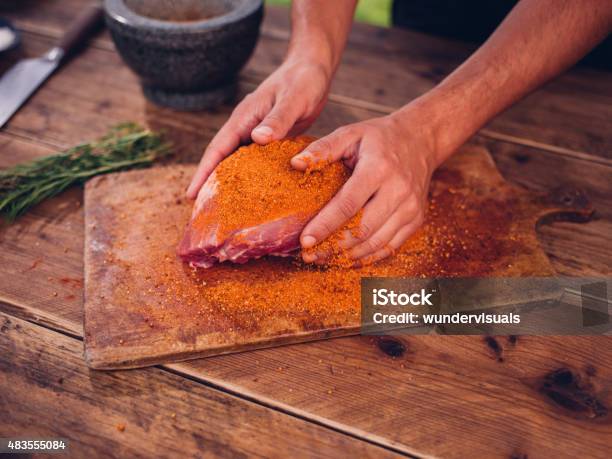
(47, 391)
(456, 395)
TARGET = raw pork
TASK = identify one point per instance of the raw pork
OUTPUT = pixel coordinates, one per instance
(202, 247)
(256, 204)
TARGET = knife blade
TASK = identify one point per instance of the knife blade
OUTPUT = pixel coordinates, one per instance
(25, 77)
(21, 80)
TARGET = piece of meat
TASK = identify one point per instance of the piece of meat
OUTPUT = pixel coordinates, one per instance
(258, 171)
(203, 247)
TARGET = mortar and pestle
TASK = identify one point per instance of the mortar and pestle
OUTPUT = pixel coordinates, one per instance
(187, 53)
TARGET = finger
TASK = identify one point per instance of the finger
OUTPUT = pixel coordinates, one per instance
(380, 238)
(343, 206)
(377, 212)
(235, 131)
(319, 257)
(223, 144)
(396, 242)
(404, 216)
(277, 124)
(309, 257)
(384, 238)
(339, 144)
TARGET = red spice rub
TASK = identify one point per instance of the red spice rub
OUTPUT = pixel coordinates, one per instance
(269, 188)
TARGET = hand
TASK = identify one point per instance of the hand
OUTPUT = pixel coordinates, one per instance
(285, 104)
(392, 160)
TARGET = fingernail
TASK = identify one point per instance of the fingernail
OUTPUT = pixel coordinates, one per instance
(308, 242)
(298, 162)
(263, 131)
(309, 257)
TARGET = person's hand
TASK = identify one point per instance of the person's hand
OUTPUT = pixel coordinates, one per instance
(285, 104)
(392, 159)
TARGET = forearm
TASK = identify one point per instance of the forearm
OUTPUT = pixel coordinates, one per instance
(537, 41)
(319, 31)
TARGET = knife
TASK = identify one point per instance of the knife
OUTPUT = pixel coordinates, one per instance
(24, 78)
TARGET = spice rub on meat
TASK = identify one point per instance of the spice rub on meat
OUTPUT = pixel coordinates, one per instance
(256, 204)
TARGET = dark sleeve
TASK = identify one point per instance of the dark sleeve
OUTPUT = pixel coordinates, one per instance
(472, 21)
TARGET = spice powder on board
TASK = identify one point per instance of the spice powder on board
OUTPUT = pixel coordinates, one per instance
(454, 241)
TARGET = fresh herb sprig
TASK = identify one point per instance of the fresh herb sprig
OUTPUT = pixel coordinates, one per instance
(126, 146)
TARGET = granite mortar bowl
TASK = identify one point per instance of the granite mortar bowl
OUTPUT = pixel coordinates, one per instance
(187, 53)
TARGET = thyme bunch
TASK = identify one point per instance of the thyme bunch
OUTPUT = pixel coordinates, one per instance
(126, 146)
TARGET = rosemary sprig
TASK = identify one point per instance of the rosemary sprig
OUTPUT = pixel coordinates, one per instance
(126, 146)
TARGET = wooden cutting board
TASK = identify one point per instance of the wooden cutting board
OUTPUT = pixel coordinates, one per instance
(144, 307)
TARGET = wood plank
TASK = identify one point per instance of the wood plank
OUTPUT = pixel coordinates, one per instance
(505, 394)
(443, 395)
(48, 392)
(142, 307)
(570, 113)
(448, 396)
(525, 166)
(538, 170)
(55, 226)
(14, 150)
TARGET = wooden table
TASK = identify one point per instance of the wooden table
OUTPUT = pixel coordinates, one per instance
(439, 396)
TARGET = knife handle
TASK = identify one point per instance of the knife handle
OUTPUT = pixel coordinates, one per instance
(83, 26)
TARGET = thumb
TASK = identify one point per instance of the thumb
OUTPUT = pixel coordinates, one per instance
(339, 144)
(277, 124)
